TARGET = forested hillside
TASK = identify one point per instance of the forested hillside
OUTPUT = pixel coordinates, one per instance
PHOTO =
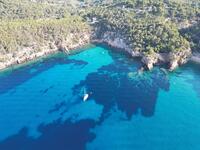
(24, 23)
(23, 9)
(142, 34)
(29, 29)
(192, 34)
(148, 27)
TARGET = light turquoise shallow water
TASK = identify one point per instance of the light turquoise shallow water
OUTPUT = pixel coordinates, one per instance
(41, 105)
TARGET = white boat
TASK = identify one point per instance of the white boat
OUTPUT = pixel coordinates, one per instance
(85, 97)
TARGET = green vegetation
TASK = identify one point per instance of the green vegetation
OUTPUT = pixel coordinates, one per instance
(17, 34)
(146, 26)
(177, 10)
(24, 9)
(29, 24)
(192, 34)
(144, 34)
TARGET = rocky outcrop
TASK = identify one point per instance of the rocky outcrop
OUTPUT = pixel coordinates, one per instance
(149, 61)
(178, 58)
(29, 53)
(117, 41)
(172, 60)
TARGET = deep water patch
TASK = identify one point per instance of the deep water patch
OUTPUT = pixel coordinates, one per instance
(58, 135)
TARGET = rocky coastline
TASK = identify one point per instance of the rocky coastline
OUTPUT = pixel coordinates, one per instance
(30, 53)
(172, 60)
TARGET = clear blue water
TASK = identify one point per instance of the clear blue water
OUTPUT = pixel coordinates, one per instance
(41, 105)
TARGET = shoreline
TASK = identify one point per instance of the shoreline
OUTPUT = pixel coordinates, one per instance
(172, 61)
(47, 52)
(28, 58)
(33, 52)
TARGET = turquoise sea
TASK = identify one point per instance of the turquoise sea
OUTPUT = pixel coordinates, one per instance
(41, 106)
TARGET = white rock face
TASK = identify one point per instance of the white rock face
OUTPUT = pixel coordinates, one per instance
(173, 65)
(2, 65)
(116, 41)
(179, 58)
(149, 61)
